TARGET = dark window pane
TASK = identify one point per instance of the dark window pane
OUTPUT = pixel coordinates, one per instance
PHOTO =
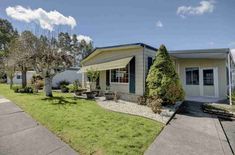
(188, 78)
(18, 76)
(192, 76)
(208, 77)
(196, 77)
(114, 77)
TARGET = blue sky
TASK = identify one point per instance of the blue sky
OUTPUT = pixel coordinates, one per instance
(154, 22)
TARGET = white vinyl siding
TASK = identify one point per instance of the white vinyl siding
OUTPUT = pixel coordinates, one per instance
(106, 56)
(194, 90)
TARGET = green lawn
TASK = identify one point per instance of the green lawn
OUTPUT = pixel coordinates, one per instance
(85, 126)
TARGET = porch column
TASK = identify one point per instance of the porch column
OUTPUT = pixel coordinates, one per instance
(229, 79)
(83, 80)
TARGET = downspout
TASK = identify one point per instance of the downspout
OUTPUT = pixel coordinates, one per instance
(144, 76)
(229, 79)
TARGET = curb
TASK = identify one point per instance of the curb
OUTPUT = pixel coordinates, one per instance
(226, 136)
(177, 109)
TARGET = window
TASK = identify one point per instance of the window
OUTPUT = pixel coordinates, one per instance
(208, 77)
(18, 76)
(150, 62)
(192, 76)
(119, 75)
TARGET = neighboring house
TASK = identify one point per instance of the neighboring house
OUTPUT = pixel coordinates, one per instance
(18, 77)
(69, 75)
(124, 68)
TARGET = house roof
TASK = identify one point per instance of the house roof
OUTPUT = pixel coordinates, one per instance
(120, 46)
(219, 53)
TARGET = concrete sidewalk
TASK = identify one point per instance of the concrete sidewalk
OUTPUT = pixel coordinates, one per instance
(191, 132)
(21, 135)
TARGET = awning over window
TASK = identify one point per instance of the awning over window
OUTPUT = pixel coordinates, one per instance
(120, 63)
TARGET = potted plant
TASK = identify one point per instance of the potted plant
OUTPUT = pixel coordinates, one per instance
(92, 76)
(109, 95)
(77, 89)
(90, 95)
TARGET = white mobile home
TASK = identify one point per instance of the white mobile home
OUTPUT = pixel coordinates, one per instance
(123, 68)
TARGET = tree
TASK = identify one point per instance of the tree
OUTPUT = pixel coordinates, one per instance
(11, 60)
(22, 52)
(162, 80)
(86, 48)
(51, 59)
(75, 49)
(7, 33)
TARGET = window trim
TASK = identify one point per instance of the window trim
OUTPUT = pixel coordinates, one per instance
(125, 83)
(186, 76)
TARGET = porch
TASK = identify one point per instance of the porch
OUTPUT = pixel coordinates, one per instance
(117, 76)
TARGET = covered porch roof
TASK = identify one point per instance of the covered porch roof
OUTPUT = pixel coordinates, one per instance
(114, 64)
(221, 53)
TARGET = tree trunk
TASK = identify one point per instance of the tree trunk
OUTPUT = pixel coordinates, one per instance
(11, 82)
(48, 86)
(24, 78)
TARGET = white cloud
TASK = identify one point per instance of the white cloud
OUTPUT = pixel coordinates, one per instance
(204, 7)
(159, 24)
(83, 37)
(47, 20)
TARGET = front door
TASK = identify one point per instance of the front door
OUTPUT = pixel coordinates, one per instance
(209, 82)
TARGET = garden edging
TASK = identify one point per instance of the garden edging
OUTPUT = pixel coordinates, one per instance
(139, 110)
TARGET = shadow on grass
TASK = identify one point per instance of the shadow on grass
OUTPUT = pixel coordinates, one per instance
(60, 100)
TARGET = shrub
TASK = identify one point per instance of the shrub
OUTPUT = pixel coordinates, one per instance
(71, 88)
(63, 83)
(64, 89)
(74, 87)
(16, 88)
(39, 84)
(141, 100)
(19, 89)
(155, 104)
(162, 80)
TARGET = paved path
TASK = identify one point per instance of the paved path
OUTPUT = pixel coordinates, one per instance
(21, 135)
(191, 132)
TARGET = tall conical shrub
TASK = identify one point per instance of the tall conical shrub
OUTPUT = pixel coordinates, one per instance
(162, 80)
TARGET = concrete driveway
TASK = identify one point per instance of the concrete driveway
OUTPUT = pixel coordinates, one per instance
(21, 135)
(191, 132)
